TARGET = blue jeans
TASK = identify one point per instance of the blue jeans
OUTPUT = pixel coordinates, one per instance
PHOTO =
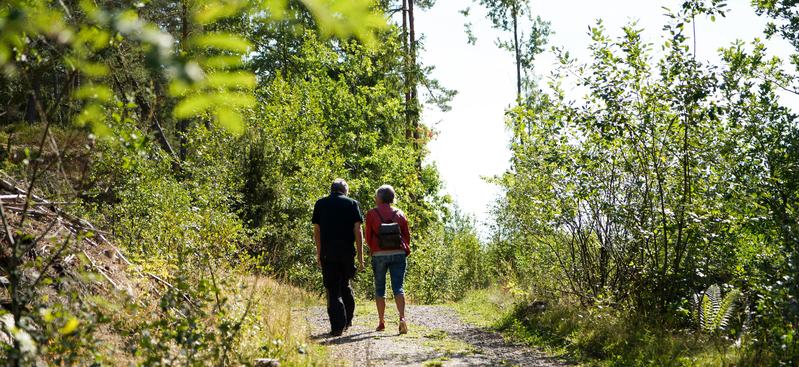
(394, 264)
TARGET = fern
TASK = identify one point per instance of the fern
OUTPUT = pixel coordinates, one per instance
(712, 312)
(725, 310)
(696, 311)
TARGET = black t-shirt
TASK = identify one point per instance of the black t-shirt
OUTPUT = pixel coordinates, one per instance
(336, 216)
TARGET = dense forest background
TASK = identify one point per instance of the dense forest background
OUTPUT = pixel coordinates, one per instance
(160, 160)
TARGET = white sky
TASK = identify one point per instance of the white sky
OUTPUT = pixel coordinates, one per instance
(472, 142)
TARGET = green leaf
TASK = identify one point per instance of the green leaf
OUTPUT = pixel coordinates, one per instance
(234, 100)
(90, 114)
(193, 105)
(276, 8)
(70, 326)
(230, 120)
(94, 37)
(100, 129)
(94, 92)
(179, 88)
(344, 19)
(196, 104)
(726, 308)
(211, 11)
(88, 68)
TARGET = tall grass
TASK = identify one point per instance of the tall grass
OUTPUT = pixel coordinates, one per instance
(277, 327)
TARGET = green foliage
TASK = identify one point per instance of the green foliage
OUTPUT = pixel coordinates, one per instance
(358, 18)
(184, 223)
(94, 31)
(229, 320)
(785, 22)
(712, 313)
(449, 263)
(600, 335)
(209, 83)
(286, 166)
(662, 179)
(184, 325)
(62, 333)
(144, 77)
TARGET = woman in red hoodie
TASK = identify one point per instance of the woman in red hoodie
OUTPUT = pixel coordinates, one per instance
(389, 245)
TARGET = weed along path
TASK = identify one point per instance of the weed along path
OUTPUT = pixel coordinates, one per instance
(437, 337)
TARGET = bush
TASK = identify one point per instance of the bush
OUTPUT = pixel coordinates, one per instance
(449, 263)
(607, 336)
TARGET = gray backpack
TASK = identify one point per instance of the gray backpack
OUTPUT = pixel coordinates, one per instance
(389, 233)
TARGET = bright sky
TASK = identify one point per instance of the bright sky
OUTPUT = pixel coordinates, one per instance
(472, 142)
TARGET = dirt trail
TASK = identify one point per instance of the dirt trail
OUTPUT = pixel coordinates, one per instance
(437, 337)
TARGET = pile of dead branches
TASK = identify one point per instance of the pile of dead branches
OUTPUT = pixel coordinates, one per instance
(40, 223)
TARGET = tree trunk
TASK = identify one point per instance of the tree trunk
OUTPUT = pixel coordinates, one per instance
(183, 125)
(415, 107)
(407, 62)
(514, 14)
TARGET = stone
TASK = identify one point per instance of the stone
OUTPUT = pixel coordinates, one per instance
(267, 362)
(6, 324)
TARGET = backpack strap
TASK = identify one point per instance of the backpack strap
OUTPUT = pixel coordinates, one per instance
(394, 215)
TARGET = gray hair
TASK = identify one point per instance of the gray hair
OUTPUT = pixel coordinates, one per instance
(386, 194)
(339, 186)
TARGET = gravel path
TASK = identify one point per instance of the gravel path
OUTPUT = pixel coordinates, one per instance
(437, 337)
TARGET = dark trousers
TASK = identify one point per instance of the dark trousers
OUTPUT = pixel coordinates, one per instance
(336, 276)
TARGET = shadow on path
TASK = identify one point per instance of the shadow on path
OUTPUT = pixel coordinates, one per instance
(326, 339)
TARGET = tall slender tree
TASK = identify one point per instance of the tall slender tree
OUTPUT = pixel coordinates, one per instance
(514, 16)
(415, 74)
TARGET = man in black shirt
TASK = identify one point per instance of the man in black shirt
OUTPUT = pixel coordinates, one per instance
(337, 225)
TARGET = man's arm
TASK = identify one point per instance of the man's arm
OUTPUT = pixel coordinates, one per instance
(317, 238)
(359, 244)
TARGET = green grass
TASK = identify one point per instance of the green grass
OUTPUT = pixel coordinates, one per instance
(441, 342)
(274, 331)
(484, 307)
(595, 336)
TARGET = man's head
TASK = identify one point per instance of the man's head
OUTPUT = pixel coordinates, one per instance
(339, 186)
(385, 194)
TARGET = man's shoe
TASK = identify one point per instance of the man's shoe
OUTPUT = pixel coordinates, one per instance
(403, 327)
(336, 333)
(381, 327)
